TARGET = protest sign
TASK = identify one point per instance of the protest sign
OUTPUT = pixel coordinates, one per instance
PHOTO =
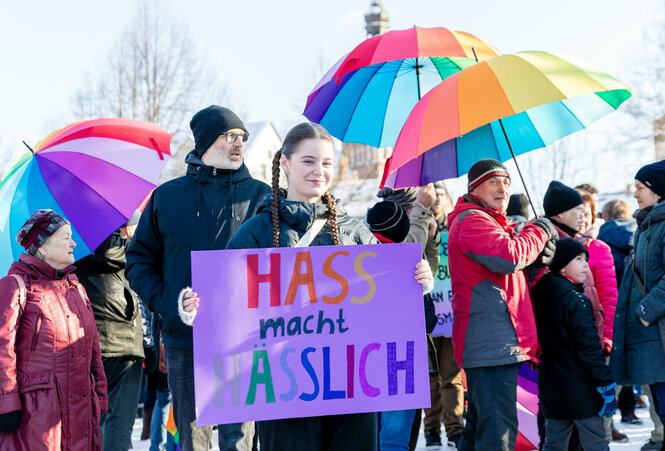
(298, 332)
(442, 293)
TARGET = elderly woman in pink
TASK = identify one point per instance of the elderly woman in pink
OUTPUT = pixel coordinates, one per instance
(52, 382)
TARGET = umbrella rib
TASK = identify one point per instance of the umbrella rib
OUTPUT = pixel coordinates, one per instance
(383, 122)
(84, 183)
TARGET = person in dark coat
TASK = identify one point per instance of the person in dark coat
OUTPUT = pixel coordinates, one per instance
(618, 232)
(199, 211)
(307, 158)
(575, 385)
(638, 355)
(52, 382)
(390, 224)
(118, 319)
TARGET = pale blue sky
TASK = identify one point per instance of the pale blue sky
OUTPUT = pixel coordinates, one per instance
(270, 52)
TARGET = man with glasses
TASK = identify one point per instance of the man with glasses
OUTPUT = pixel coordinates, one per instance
(199, 211)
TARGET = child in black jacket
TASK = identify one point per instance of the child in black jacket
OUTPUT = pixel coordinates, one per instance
(574, 383)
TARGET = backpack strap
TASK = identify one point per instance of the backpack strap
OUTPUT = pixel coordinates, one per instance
(311, 233)
(21, 290)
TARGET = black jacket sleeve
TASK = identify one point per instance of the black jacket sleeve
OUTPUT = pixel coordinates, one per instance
(585, 338)
(430, 314)
(144, 259)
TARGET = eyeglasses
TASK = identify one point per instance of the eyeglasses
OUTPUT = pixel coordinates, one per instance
(232, 137)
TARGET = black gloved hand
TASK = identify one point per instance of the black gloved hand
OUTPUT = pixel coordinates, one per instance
(10, 421)
(151, 361)
(547, 226)
(547, 254)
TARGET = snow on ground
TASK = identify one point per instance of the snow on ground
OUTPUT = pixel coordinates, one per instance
(637, 434)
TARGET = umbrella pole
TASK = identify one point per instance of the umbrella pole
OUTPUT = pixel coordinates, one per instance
(526, 190)
(417, 66)
(30, 148)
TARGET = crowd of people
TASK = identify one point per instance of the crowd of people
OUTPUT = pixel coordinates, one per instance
(578, 295)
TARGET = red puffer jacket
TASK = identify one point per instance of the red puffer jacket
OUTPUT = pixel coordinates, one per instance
(494, 320)
(604, 279)
(50, 363)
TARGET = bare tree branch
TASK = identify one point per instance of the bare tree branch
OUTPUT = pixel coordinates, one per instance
(154, 74)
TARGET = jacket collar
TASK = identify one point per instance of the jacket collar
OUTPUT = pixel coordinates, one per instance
(299, 215)
(470, 202)
(39, 269)
(650, 215)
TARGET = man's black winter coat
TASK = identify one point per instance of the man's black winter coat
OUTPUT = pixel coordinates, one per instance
(199, 211)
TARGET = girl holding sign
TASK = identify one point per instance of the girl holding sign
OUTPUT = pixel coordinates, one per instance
(307, 159)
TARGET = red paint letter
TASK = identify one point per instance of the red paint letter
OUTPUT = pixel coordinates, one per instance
(254, 279)
(298, 278)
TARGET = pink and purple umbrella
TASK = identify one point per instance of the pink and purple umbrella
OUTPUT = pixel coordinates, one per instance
(94, 173)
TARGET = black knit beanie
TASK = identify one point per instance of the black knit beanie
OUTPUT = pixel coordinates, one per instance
(405, 197)
(211, 122)
(388, 222)
(560, 198)
(566, 250)
(518, 205)
(483, 170)
(653, 176)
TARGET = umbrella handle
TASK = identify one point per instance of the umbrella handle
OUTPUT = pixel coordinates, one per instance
(526, 190)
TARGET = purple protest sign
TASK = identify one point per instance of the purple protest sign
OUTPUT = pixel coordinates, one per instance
(298, 332)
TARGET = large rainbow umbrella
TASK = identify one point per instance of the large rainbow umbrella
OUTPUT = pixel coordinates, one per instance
(367, 95)
(498, 108)
(94, 173)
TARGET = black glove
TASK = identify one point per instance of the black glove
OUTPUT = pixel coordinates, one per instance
(10, 421)
(547, 226)
(151, 360)
(547, 254)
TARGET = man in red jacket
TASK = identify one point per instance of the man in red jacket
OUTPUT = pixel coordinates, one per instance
(494, 329)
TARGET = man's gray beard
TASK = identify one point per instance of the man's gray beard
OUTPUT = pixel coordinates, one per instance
(224, 162)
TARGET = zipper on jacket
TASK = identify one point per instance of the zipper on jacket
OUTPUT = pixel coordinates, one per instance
(214, 171)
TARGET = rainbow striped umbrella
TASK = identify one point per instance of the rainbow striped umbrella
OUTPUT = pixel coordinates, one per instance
(94, 173)
(498, 108)
(367, 95)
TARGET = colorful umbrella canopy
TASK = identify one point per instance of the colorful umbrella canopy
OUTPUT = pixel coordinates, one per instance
(414, 42)
(517, 102)
(94, 173)
(367, 95)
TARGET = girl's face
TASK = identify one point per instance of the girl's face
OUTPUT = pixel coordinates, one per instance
(587, 220)
(309, 171)
(58, 250)
(577, 269)
(644, 196)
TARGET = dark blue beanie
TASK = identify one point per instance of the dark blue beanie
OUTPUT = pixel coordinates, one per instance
(653, 176)
(211, 122)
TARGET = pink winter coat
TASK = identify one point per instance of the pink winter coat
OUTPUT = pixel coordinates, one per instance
(50, 363)
(601, 264)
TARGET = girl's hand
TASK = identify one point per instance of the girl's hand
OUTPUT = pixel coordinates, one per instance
(644, 323)
(424, 276)
(190, 302)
